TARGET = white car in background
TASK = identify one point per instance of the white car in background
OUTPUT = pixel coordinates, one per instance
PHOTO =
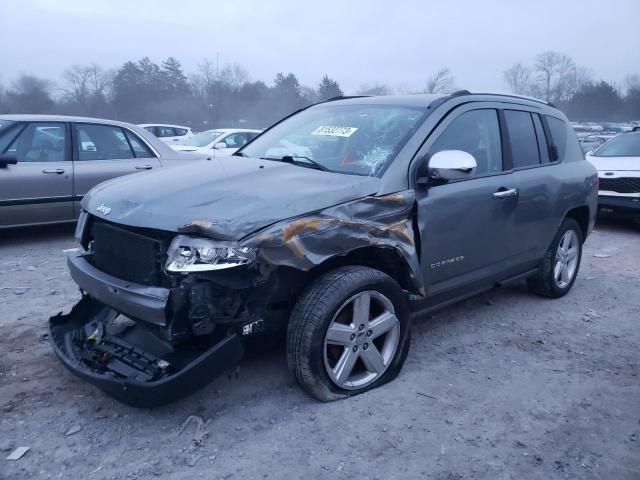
(169, 134)
(618, 164)
(221, 142)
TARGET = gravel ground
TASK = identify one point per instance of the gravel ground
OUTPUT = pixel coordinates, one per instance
(503, 386)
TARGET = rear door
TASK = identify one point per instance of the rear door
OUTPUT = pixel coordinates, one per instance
(102, 152)
(39, 188)
(465, 228)
(535, 174)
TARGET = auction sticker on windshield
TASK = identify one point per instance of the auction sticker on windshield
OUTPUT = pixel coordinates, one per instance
(334, 131)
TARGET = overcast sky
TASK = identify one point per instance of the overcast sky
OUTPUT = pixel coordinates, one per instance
(397, 42)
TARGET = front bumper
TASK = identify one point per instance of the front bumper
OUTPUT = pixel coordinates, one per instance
(618, 206)
(132, 364)
(138, 301)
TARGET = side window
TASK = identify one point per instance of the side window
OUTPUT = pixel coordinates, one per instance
(101, 142)
(150, 130)
(165, 132)
(140, 149)
(522, 138)
(40, 142)
(180, 132)
(234, 140)
(478, 133)
(558, 135)
(543, 145)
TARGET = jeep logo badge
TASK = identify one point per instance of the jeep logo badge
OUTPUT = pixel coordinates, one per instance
(103, 209)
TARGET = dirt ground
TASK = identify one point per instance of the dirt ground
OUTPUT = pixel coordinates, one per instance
(503, 386)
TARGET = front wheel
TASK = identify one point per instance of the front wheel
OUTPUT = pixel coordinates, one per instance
(348, 333)
(561, 262)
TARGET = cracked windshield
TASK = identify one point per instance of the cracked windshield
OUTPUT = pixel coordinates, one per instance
(354, 139)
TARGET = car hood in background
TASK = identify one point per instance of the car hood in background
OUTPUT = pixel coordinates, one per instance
(613, 164)
(231, 196)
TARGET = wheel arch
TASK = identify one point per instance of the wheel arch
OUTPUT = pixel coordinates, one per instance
(581, 215)
(384, 258)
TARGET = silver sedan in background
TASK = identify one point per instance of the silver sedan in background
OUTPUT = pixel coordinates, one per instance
(48, 163)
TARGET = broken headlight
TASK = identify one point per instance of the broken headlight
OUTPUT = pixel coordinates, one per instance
(190, 254)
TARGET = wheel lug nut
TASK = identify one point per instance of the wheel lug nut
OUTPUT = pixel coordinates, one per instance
(361, 327)
(369, 333)
(365, 346)
(355, 348)
(353, 337)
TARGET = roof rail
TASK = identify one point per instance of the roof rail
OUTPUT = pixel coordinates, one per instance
(460, 93)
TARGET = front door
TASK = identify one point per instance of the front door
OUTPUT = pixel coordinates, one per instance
(464, 225)
(39, 188)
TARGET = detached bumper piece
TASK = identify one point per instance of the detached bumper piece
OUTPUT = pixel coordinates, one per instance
(130, 362)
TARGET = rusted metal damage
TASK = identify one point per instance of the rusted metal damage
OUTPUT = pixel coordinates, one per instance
(306, 242)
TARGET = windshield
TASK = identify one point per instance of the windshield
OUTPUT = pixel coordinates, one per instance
(625, 145)
(202, 139)
(355, 139)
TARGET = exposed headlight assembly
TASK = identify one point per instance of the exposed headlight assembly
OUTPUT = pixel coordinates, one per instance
(190, 254)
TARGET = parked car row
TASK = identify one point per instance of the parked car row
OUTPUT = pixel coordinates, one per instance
(618, 164)
(218, 143)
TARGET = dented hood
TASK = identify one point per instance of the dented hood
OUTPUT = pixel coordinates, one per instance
(225, 198)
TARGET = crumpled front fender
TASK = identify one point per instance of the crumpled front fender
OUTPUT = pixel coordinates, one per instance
(305, 242)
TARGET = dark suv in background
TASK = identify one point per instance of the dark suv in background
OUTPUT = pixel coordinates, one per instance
(336, 225)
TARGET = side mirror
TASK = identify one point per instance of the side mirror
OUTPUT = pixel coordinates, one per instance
(7, 159)
(452, 165)
(220, 145)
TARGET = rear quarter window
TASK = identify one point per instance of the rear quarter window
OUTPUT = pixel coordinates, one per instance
(558, 130)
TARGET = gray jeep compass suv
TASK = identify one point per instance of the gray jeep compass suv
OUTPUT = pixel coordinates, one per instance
(336, 225)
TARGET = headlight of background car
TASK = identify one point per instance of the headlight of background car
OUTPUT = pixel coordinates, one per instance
(190, 254)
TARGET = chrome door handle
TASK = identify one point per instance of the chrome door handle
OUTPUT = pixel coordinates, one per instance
(143, 167)
(511, 192)
(59, 171)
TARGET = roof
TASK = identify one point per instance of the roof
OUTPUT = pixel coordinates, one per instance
(26, 117)
(427, 100)
(162, 125)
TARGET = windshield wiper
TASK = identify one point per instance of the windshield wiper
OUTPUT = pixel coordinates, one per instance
(239, 154)
(312, 163)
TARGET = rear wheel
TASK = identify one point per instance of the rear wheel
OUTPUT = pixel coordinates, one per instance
(348, 333)
(561, 262)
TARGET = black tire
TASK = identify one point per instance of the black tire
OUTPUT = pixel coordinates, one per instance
(313, 314)
(544, 282)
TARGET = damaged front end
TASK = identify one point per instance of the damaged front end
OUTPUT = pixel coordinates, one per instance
(142, 334)
(163, 313)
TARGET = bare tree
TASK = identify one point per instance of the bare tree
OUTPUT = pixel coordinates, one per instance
(86, 86)
(203, 81)
(574, 80)
(440, 82)
(234, 76)
(546, 64)
(518, 79)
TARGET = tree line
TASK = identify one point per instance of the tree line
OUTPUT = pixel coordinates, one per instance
(146, 91)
